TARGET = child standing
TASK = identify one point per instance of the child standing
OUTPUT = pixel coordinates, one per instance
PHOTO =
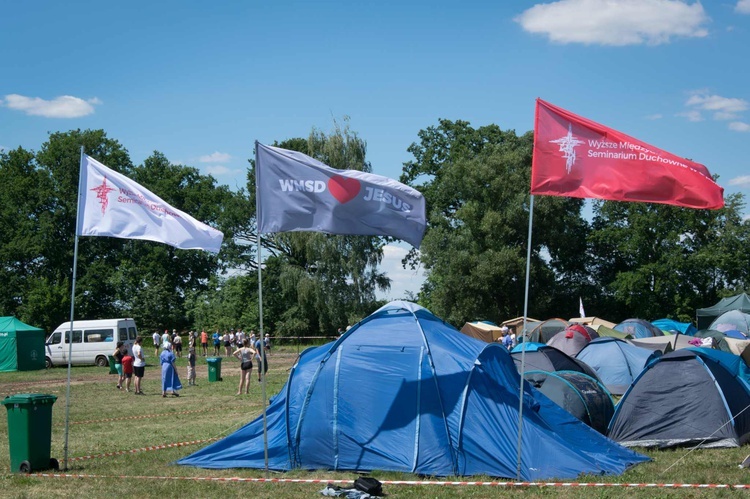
(127, 370)
(191, 366)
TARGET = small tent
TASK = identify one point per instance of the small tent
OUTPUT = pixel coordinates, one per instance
(541, 357)
(690, 397)
(733, 320)
(482, 331)
(21, 346)
(404, 391)
(639, 328)
(672, 326)
(664, 344)
(616, 362)
(705, 316)
(579, 394)
(544, 331)
(572, 339)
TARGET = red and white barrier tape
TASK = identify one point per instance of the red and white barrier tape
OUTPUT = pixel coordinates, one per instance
(142, 449)
(407, 482)
(143, 416)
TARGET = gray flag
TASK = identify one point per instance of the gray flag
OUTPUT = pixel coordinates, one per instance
(298, 193)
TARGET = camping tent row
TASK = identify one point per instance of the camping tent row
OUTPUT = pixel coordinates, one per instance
(404, 391)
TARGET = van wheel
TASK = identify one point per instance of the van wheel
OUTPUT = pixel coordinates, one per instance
(47, 362)
(101, 361)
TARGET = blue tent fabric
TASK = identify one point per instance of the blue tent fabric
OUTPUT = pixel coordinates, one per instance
(638, 328)
(672, 325)
(616, 362)
(404, 391)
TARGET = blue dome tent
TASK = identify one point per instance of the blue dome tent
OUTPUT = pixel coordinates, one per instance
(404, 391)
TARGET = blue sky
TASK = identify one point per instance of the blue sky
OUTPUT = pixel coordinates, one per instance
(202, 81)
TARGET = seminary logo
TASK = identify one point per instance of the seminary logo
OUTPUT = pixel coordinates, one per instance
(102, 192)
(345, 189)
(567, 144)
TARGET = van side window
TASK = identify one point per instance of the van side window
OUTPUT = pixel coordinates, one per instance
(76, 336)
(132, 333)
(55, 339)
(99, 335)
(123, 333)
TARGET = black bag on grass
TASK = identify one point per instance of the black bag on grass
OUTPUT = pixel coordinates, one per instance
(369, 485)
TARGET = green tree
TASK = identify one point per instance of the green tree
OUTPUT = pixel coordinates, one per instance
(652, 261)
(476, 184)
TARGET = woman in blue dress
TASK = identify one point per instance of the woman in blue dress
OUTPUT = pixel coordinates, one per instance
(170, 381)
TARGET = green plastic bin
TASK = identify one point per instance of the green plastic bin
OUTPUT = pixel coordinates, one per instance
(112, 362)
(30, 431)
(214, 368)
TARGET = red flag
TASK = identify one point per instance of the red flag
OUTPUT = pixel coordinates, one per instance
(576, 157)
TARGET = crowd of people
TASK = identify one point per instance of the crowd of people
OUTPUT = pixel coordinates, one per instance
(246, 348)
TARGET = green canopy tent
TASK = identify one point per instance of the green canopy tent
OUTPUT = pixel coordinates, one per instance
(705, 316)
(21, 346)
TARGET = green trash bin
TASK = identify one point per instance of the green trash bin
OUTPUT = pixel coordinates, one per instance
(214, 368)
(30, 431)
(112, 362)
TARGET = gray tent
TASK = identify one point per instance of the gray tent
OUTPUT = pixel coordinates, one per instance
(690, 397)
(706, 315)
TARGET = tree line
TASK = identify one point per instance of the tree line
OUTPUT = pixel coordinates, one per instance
(623, 259)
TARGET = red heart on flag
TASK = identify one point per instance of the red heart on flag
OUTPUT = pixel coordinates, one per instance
(343, 189)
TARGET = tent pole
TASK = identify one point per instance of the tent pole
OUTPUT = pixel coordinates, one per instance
(72, 309)
(523, 347)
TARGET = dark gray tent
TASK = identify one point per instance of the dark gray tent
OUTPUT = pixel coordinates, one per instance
(705, 316)
(579, 394)
(689, 397)
(540, 357)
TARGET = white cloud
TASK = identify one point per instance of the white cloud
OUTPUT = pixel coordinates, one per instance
(692, 115)
(615, 22)
(217, 157)
(723, 108)
(402, 280)
(743, 181)
(65, 106)
(743, 7)
(217, 170)
(738, 126)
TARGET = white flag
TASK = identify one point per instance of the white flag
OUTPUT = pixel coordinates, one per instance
(110, 204)
(580, 307)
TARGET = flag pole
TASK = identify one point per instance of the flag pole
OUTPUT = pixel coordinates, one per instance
(262, 340)
(523, 336)
(72, 309)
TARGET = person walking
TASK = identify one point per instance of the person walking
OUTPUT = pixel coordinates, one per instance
(216, 337)
(157, 341)
(261, 357)
(139, 364)
(170, 381)
(127, 369)
(191, 366)
(177, 342)
(245, 354)
(204, 342)
(118, 355)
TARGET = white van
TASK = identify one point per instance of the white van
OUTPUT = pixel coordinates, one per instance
(93, 341)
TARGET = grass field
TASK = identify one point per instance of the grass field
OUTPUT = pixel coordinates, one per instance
(107, 420)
